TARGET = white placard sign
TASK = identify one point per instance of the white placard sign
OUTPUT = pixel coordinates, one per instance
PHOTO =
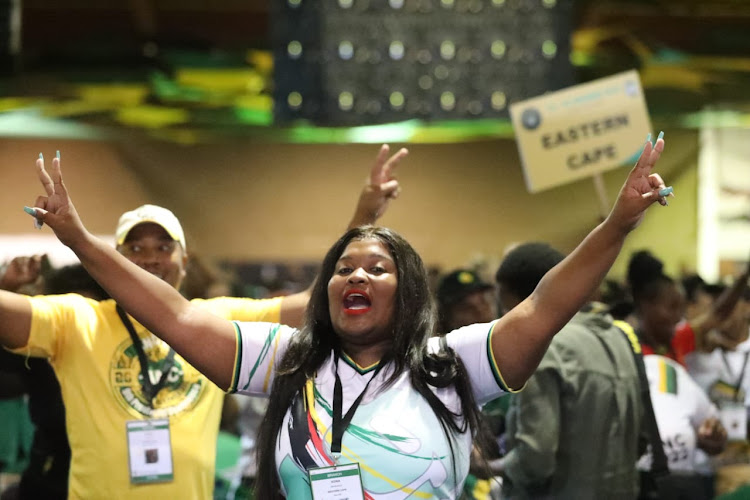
(581, 130)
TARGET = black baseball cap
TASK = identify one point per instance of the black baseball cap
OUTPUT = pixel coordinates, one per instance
(458, 284)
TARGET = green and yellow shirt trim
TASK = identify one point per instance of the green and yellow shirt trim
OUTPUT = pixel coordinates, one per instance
(269, 347)
(362, 370)
(493, 364)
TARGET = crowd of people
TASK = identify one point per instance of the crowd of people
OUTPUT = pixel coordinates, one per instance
(370, 384)
(581, 422)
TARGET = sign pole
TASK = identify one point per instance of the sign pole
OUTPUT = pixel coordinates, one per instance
(601, 193)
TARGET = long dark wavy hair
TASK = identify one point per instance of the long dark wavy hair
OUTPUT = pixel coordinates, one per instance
(413, 324)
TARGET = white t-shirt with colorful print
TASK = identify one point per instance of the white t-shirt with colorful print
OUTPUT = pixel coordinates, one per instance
(394, 436)
(680, 406)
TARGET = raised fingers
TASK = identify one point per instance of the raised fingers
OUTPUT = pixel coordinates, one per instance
(656, 151)
(649, 156)
(56, 176)
(376, 172)
(44, 177)
(392, 163)
(649, 159)
(382, 169)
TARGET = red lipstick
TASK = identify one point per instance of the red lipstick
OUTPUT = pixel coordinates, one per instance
(356, 302)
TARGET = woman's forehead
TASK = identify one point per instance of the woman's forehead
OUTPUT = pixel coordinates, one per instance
(366, 247)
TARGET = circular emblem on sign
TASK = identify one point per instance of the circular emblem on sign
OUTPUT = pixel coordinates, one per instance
(182, 390)
(631, 88)
(531, 119)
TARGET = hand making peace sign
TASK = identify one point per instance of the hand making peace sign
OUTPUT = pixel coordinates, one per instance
(382, 186)
(56, 209)
(641, 189)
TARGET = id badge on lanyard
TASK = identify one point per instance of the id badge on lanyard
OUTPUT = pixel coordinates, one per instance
(733, 416)
(149, 451)
(337, 482)
(149, 441)
(732, 412)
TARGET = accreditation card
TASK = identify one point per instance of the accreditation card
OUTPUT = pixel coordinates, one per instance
(733, 417)
(149, 451)
(338, 482)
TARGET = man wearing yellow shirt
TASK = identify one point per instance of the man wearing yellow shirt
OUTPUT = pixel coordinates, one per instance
(142, 422)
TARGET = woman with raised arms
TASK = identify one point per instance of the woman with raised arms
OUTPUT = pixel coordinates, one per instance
(364, 401)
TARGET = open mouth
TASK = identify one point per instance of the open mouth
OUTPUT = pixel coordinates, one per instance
(356, 302)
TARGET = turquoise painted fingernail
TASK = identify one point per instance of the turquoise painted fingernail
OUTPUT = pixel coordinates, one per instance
(30, 211)
(58, 154)
(666, 191)
(661, 136)
(648, 138)
(41, 156)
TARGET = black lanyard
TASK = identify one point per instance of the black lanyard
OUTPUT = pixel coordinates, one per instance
(149, 389)
(340, 424)
(738, 384)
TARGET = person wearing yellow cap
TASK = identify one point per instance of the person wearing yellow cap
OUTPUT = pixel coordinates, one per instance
(142, 422)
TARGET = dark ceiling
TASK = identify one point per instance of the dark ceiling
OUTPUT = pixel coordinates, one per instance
(63, 28)
(690, 53)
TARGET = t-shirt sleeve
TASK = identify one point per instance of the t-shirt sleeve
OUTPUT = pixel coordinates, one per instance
(260, 347)
(243, 309)
(472, 344)
(54, 320)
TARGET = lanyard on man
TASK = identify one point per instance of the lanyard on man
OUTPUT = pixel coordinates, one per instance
(149, 440)
(150, 390)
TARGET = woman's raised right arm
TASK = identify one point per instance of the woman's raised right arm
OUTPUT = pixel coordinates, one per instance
(206, 341)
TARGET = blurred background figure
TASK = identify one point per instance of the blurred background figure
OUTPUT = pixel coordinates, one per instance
(688, 422)
(660, 310)
(240, 478)
(203, 280)
(664, 329)
(463, 299)
(724, 375)
(698, 295)
(616, 296)
(48, 462)
(573, 432)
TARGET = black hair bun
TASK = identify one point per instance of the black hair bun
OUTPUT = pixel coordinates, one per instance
(643, 268)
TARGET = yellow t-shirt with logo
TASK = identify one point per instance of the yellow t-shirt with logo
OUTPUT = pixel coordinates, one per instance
(98, 368)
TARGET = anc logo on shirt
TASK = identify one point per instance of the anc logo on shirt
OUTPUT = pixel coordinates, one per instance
(181, 392)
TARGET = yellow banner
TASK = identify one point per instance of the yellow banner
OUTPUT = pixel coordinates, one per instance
(581, 130)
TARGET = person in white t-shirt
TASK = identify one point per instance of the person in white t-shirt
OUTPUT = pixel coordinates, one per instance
(687, 419)
(724, 373)
(689, 427)
(364, 401)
